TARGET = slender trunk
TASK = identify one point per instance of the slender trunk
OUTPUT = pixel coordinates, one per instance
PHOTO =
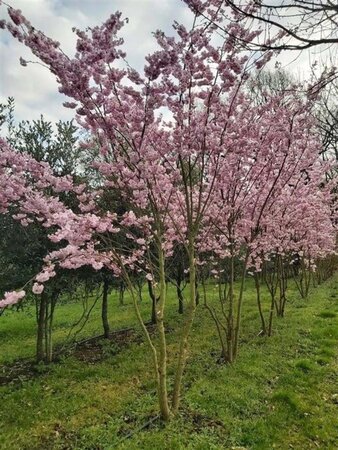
(46, 329)
(153, 302)
(190, 314)
(272, 308)
(139, 288)
(179, 279)
(104, 310)
(230, 334)
(216, 321)
(307, 278)
(304, 281)
(180, 297)
(271, 282)
(258, 296)
(164, 407)
(197, 301)
(121, 294)
(50, 318)
(282, 284)
(162, 361)
(40, 337)
(278, 300)
(239, 309)
(164, 410)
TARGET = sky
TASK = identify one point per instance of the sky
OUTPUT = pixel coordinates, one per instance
(35, 89)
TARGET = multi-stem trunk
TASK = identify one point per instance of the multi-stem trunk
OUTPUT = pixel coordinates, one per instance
(239, 309)
(162, 396)
(162, 362)
(230, 328)
(190, 314)
(216, 320)
(259, 303)
(282, 285)
(302, 278)
(271, 281)
(271, 313)
(104, 310)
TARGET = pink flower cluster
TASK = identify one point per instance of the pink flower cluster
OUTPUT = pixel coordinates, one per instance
(11, 298)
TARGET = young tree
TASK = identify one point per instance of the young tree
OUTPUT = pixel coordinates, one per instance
(23, 248)
(281, 169)
(172, 173)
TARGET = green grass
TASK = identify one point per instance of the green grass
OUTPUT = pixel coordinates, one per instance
(280, 394)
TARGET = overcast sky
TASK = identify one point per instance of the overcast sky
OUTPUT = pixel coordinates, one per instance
(34, 88)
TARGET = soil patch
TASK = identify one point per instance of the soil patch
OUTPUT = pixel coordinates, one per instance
(91, 350)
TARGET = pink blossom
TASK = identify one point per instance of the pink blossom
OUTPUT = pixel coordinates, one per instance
(37, 288)
(46, 275)
(141, 241)
(11, 298)
(16, 16)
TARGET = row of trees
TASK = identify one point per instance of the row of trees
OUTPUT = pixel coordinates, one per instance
(219, 180)
(22, 249)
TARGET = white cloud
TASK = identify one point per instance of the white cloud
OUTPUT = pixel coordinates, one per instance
(33, 87)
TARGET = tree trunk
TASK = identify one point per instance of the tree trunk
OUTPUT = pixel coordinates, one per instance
(41, 327)
(272, 308)
(180, 299)
(153, 302)
(190, 314)
(162, 361)
(197, 301)
(230, 333)
(49, 326)
(239, 310)
(121, 294)
(104, 310)
(216, 321)
(165, 413)
(282, 284)
(258, 296)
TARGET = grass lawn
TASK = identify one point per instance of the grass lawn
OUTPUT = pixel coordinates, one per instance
(282, 392)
